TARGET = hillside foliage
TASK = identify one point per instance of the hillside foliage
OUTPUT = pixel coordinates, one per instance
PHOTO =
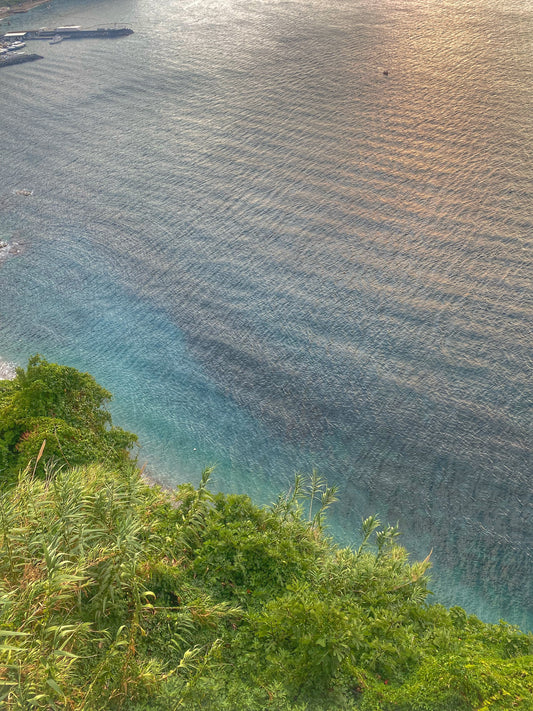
(119, 595)
(66, 409)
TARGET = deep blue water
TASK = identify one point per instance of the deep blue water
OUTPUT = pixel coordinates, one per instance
(278, 258)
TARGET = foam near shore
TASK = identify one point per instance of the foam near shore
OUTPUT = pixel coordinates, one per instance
(7, 370)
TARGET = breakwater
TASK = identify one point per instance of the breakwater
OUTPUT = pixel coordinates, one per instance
(11, 59)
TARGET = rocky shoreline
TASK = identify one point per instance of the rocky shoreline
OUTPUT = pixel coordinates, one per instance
(20, 7)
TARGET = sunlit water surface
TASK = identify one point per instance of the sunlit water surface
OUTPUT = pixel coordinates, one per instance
(277, 257)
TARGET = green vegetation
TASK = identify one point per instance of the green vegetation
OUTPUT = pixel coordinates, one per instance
(65, 408)
(118, 595)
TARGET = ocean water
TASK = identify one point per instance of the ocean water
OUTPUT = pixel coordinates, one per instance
(277, 257)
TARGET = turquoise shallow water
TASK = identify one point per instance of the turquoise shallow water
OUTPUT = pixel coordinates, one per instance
(276, 257)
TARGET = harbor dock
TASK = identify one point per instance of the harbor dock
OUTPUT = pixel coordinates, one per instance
(12, 42)
(70, 32)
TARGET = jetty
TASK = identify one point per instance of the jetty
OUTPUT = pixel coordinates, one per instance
(68, 32)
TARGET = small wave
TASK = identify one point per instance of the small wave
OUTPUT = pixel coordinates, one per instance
(7, 249)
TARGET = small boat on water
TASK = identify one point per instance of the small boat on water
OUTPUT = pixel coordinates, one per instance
(56, 39)
(15, 45)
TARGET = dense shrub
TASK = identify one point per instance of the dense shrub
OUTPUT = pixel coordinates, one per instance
(65, 409)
